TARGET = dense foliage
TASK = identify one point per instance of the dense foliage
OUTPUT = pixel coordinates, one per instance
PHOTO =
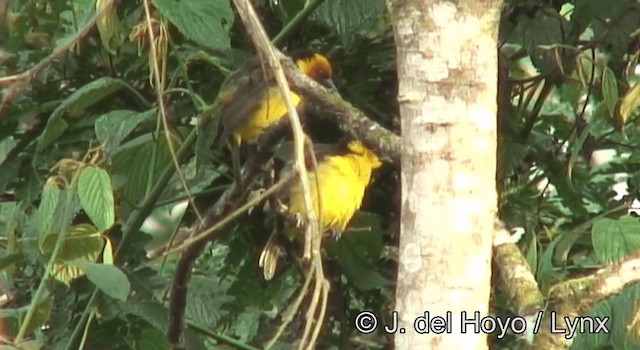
(82, 150)
(85, 160)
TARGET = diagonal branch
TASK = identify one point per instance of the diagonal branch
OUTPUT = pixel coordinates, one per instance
(226, 206)
(17, 82)
(349, 118)
(266, 51)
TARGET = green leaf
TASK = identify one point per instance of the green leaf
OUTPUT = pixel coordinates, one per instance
(107, 253)
(6, 145)
(48, 204)
(96, 196)
(597, 15)
(350, 17)
(151, 339)
(610, 90)
(588, 340)
(82, 241)
(204, 304)
(204, 21)
(613, 240)
(88, 95)
(108, 278)
(113, 127)
(75, 106)
(54, 128)
(140, 162)
(546, 272)
(42, 313)
(8, 259)
(152, 312)
(246, 327)
(11, 318)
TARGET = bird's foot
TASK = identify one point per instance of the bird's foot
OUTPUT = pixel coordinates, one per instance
(335, 233)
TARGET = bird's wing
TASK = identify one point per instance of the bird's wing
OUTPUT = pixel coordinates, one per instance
(241, 94)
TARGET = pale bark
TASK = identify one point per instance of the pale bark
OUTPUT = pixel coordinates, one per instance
(447, 70)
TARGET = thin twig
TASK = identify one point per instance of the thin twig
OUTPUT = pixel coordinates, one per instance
(159, 82)
(19, 80)
(309, 7)
(224, 221)
(220, 216)
(312, 229)
(291, 311)
(266, 51)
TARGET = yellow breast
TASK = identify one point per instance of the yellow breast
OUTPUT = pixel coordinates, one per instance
(270, 110)
(341, 184)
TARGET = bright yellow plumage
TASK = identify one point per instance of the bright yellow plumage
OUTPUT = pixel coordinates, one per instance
(269, 110)
(336, 195)
(249, 103)
(341, 183)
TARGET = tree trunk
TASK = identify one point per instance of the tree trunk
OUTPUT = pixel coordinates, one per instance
(447, 70)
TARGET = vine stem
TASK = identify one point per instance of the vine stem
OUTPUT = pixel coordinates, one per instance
(68, 207)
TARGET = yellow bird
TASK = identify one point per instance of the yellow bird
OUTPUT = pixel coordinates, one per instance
(250, 101)
(337, 188)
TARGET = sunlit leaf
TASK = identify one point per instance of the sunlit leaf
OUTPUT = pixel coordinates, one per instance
(81, 241)
(630, 102)
(107, 253)
(610, 90)
(108, 24)
(96, 196)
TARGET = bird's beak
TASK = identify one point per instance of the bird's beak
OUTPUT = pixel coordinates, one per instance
(328, 83)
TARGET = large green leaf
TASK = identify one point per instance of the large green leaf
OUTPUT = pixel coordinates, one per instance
(108, 278)
(113, 127)
(589, 340)
(140, 161)
(204, 21)
(613, 240)
(96, 196)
